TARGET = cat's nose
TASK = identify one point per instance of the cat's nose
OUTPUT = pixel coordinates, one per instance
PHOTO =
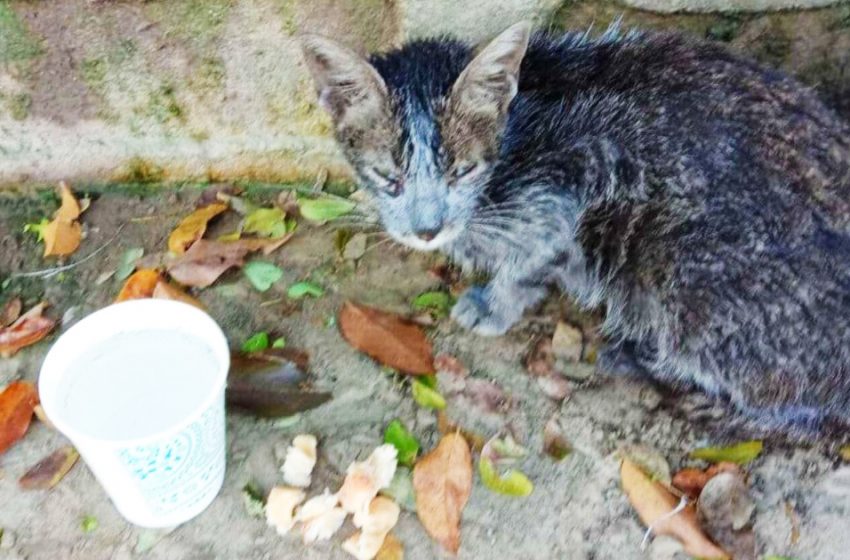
(427, 234)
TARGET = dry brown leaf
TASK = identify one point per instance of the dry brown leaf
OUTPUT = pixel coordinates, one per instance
(445, 426)
(392, 549)
(28, 329)
(205, 260)
(691, 481)
(70, 208)
(193, 226)
(442, 480)
(167, 290)
(16, 408)
(11, 311)
(388, 338)
(654, 503)
(49, 471)
(141, 284)
(62, 236)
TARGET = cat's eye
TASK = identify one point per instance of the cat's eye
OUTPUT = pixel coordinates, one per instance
(387, 181)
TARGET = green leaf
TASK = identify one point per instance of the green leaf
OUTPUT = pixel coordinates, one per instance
(256, 343)
(301, 289)
(512, 483)
(740, 454)
(266, 222)
(127, 264)
(437, 303)
(232, 236)
(404, 442)
(262, 274)
(88, 524)
(425, 396)
(324, 209)
(429, 381)
(279, 342)
(253, 500)
(37, 228)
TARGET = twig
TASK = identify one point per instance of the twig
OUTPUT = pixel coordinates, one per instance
(49, 272)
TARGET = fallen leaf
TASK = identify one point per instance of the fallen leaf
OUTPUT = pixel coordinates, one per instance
(649, 460)
(63, 234)
(445, 427)
(391, 340)
(654, 505)
(205, 260)
(302, 289)
(61, 238)
(279, 342)
(405, 443)
(691, 481)
(89, 524)
(442, 480)
(127, 264)
(272, 383)
(49, 471)
(252, 499)
(69, 210)
(446, 363)
(355, 247)
(27, 329)
(555, 444)
(266, 222)
(141, 284)
(426, 396)
(740, 454)
(540, 360)
(512, 482)
(262, 274)
(10, 312)
(167, 290)
(324, 209)
(192, 227)
(256, 342)
(17, 402)
(392, 549)
(844, 453)
(437, 303)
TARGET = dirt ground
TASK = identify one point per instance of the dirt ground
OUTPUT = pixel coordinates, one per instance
(577, 510)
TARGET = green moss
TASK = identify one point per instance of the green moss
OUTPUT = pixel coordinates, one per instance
(19, 106)
(16, 43)
(163, 106)
(209, 74)
(93, 71)
(287, 16)
(196, 21)
(140, 170)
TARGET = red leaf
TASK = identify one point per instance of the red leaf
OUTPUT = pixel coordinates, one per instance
(28, 329)
(388, 338)
(17, 402)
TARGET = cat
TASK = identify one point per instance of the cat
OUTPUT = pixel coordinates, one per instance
(703, 199)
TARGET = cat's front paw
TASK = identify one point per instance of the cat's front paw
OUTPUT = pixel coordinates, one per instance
(474, 312)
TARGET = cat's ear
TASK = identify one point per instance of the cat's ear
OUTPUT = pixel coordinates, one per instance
(489, 83)
(349, 88)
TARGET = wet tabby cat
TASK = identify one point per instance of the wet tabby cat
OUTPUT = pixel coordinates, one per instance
(703, 199)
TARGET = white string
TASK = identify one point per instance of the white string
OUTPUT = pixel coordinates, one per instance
(683, 503)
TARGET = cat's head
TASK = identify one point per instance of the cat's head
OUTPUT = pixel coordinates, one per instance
(421, 126)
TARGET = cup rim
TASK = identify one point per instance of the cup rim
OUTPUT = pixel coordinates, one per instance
(51, 370)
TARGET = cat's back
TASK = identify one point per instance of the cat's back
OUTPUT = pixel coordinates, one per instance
(676, 103)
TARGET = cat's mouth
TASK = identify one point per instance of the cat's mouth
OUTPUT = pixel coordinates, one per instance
(439, 241)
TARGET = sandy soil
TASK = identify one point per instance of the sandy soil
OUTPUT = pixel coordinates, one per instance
(577, 510)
